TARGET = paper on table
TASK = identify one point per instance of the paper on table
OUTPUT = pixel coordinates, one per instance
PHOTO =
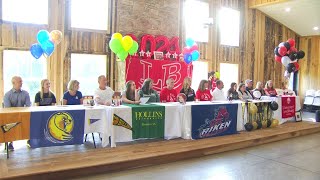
(144, 100)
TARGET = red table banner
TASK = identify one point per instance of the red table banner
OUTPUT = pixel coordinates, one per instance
(158, 70)
(288, 106)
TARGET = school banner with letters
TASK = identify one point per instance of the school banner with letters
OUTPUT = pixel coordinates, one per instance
(56, 128)
(288, 104)
(158, 70)
(147, 121)
(213, 120)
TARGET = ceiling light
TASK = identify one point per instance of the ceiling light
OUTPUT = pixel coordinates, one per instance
(316, 28)
(288, 9)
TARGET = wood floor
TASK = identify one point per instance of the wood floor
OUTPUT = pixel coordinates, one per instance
(72, 161)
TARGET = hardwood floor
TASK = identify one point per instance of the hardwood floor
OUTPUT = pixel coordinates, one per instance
(72, 161)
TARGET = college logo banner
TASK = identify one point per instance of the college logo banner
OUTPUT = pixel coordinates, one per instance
(50, 128)
(288, 104)
(147, 121)
(158, 70)
(213, 120)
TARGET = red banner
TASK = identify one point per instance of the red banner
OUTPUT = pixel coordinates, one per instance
(288, 106)
(158, 70)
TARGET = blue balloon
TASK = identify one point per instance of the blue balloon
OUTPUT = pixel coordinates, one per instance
(36, 50)
(195, 55)
(43, 36)
(48, 47)
(190, 42)
(187, 58)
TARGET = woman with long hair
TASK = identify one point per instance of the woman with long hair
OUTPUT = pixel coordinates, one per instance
(130, 95)
(203, 92)
(187, 90)
(243, 93)
(232, 92)
(148, 91)
(270, 91)
(45, 97)
(259, 87)
(73, 96)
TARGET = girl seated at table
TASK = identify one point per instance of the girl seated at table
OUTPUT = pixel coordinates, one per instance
(203, 93)
(270, 91)
(130, 95)
(243, 93)
(148, 91)
(232, 92)
(259, 88)
(45, 96)
(187, 90)
(73, 96)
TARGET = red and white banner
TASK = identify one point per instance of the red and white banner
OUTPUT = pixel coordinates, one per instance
(158, 70)
(288, 106)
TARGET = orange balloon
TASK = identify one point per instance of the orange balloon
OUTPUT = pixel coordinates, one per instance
(56, 36)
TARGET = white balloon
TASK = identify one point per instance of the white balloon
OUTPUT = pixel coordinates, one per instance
(285, 60)
(257, 94)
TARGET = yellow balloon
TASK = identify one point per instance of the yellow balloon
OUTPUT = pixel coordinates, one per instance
(255, 125)
(127, 42)
(264, 124)
(275, 123)
(117, 36)
(253, 109)
(56, 36)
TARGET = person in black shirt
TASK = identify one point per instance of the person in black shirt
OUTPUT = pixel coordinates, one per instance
(232, 92)
(187, 90)
(45, 97)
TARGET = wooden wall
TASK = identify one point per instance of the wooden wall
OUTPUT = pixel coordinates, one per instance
(20, 36)
(309, 72)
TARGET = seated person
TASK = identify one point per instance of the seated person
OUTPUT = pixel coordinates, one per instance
(187, 90)
(243, 93)
(203, 93)
(130, 95)
(168, 94)
(259, 88)
(45, 96)
(16, 97)
(270, 91)
(73, 96)
(232, 92)
(217, 93)
(103, 95)
(148, 91)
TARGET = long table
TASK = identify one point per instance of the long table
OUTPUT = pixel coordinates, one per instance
(61, 125)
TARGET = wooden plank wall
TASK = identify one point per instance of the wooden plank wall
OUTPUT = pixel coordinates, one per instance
(309, 72)
(257, 3)
(20, 36)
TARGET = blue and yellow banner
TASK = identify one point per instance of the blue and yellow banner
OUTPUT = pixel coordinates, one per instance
(56, 128)
(213, 120)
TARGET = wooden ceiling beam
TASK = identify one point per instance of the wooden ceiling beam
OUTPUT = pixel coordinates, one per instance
(258, 3)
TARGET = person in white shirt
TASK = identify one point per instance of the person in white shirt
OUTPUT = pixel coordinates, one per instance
(217, 93)
(103, 95)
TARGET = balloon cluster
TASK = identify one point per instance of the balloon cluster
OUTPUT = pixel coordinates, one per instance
(288, 55)
(123, 46)
(46, 43)
(191, 52)
(259, 116)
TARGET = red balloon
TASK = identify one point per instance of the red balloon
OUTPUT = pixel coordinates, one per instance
(296, 64)
(186, 50)
(282, 50)
(152, 44)
(277, 58)
(292, 42)
(162, 42)
(174, 46)
(194, 48)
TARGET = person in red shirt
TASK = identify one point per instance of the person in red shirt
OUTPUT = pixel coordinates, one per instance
(270, 91)
(168, 94)
(203, 93)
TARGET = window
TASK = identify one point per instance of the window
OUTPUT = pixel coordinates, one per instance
(229, 22)
(90, 14)
(196, 14)
(86, 68)
(25, 11)
(21, 63)
(228, 74)
(200, 72)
